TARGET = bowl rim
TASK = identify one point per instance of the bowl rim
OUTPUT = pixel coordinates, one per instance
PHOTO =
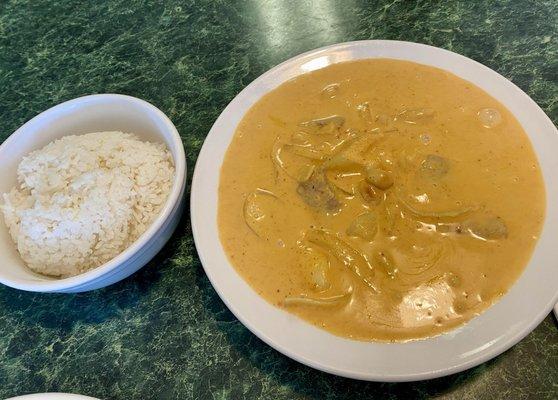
(177, 189)
(210, 257)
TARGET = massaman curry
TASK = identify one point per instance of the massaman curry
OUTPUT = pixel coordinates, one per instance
(380, 199)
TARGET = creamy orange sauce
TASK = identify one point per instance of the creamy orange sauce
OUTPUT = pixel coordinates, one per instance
(380, 199)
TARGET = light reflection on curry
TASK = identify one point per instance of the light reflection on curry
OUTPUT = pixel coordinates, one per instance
(380, 199)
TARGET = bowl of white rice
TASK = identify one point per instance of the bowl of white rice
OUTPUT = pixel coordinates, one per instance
(91, 190)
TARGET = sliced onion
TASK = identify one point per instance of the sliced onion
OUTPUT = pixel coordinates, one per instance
(434, 214)
(336, 120)
(417, 263)
(257, 209)
(301, 166)
(305, 172)
(348, 256)
(342, 163)
(331, 90)
(416, 116)
(364, 226)
(304, 300)
(306, 151)
(276, 155)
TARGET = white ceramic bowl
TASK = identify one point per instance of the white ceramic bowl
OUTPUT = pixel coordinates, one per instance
(102, 112)
(530, 299)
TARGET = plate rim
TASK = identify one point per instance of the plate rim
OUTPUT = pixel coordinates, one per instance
(492, 350)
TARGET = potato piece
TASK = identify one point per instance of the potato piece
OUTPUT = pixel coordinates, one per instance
(317, 264)
(379, 178)
(370, 194)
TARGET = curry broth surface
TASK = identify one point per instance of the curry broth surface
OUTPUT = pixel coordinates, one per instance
(380, 199)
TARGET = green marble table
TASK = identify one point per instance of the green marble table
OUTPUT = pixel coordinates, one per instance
(164, 333)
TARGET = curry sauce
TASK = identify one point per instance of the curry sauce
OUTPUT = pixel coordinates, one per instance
(380, 199)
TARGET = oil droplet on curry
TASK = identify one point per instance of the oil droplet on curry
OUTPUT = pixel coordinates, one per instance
(380, 199)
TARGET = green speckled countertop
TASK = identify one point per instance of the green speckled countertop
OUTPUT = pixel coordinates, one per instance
(164, 333)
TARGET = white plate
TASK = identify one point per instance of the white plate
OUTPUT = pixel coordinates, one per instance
(500, 327)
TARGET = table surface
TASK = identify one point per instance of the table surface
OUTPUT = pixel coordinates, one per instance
(164, 333)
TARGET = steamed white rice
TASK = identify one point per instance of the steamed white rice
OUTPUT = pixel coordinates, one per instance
(84, 199)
